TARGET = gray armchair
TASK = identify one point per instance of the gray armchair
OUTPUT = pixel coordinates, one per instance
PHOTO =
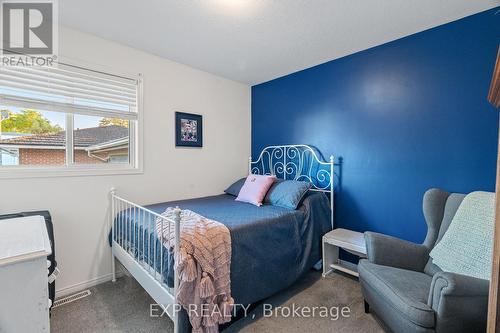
(411, 294)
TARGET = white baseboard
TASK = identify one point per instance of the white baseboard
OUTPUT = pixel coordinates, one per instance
(85, 284)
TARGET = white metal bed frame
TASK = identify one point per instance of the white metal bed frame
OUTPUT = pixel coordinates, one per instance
(297, 162)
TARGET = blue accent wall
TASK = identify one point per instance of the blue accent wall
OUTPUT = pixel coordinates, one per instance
(403, 117)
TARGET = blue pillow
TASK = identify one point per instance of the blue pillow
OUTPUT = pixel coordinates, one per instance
(287, 193)
(235, 187)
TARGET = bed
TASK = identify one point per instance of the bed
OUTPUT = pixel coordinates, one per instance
(271, 246)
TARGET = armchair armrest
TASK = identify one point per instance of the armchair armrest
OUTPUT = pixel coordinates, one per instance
(460, 301)
(391, 251)
(446, 284)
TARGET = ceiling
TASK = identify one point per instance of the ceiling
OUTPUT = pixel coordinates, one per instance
(253, 41)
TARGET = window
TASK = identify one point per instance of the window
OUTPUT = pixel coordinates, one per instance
(97, 140)
(32, 137)
(9, 157)
(68, 118)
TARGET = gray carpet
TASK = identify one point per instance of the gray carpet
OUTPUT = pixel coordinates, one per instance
(124, 307)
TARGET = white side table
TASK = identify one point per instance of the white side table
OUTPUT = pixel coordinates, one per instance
(351, 241)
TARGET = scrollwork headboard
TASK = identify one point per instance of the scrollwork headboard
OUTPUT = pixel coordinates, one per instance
(296, 162)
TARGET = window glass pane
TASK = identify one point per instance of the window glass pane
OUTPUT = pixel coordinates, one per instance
(31, 137)
(100, 140)
(9, 156)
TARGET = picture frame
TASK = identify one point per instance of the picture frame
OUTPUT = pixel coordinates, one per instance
(188, 130)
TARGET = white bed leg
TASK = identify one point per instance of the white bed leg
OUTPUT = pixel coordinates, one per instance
(112, 213)
(113, 267)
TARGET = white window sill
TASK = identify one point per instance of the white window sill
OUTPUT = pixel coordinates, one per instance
(16, 172)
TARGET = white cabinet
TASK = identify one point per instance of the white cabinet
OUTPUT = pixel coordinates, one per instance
(24, 246)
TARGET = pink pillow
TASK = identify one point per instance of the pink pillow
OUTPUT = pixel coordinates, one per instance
(255, 188)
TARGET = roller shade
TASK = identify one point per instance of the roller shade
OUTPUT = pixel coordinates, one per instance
(70, 89)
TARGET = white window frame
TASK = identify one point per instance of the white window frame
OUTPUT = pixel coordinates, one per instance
(135, 165)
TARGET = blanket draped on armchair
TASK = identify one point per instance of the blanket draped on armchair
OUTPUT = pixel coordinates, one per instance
(467, 246)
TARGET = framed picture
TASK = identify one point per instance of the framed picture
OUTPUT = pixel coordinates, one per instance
(188, 130)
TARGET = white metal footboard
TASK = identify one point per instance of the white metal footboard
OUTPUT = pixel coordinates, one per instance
(142, 251)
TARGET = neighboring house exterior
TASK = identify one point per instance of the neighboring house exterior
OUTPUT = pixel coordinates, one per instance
(6, 156)
(95, 145)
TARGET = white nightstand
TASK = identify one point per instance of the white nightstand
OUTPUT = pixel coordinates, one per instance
(351, 241)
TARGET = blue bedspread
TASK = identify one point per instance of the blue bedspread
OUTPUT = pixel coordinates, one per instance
(271, 246)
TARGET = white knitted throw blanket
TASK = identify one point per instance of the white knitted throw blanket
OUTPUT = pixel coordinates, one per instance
(203, 266)
(467, 246)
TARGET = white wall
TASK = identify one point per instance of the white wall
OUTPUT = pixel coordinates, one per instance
(79, 204)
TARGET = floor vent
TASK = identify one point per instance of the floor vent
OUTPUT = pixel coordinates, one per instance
(71, 298)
